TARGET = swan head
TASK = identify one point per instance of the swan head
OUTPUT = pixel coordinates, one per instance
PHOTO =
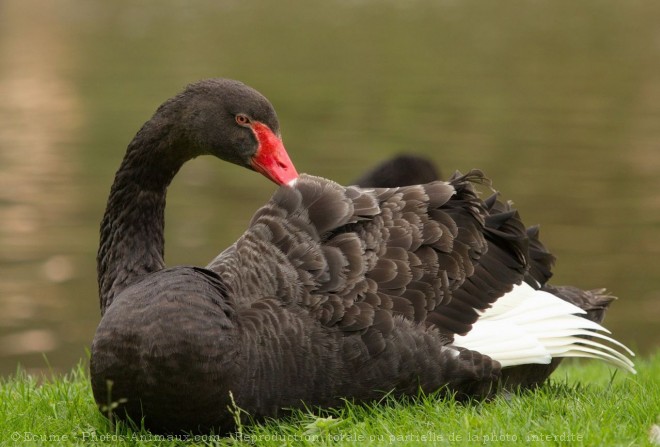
(233, 122)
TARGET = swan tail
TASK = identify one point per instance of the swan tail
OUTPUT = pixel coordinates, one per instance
(528, 326)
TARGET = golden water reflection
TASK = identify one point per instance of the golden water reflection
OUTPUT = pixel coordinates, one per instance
(40, 116)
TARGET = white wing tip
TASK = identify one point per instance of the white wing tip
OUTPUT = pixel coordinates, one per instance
(531, 326)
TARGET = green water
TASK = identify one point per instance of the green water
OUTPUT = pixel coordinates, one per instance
(557, 101)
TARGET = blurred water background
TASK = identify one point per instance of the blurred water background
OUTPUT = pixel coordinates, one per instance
(557, 101)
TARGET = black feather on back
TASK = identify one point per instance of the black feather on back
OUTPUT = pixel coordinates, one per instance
(433, 254)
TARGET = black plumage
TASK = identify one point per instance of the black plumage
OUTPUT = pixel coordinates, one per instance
(332, 292)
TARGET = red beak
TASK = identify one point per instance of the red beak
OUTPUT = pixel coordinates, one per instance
(271, 158)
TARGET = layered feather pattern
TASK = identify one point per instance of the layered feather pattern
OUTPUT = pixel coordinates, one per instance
(361, 257)
(507, 341)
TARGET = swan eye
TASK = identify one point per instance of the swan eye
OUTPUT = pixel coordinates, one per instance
(242, 120)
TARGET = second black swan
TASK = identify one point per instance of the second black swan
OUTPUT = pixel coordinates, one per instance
(332, 292)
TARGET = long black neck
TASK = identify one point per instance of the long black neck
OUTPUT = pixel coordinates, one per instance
(132, 241)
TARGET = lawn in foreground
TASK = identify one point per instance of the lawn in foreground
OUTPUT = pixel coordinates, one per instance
(585, 403)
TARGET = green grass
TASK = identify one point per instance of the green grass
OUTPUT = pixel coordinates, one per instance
(585, 403)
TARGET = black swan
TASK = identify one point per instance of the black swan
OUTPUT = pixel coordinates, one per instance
(401, 170)
(332, 292)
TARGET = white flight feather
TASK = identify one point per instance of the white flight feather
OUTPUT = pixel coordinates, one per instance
(532, 326)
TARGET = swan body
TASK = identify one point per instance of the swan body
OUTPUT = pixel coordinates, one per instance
(332, 292)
